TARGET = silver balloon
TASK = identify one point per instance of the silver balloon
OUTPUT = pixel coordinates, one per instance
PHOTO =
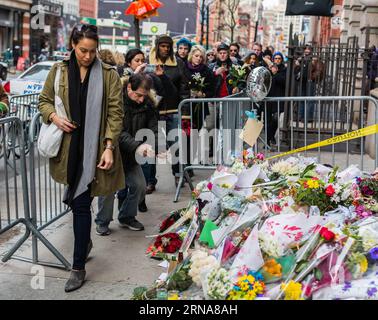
(258, 84)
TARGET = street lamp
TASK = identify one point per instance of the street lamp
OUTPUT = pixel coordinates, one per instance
(186, 21)
(114, 15)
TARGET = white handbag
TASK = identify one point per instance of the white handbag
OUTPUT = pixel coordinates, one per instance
(50, 136)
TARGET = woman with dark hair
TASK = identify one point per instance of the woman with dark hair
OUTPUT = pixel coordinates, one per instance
(251, 61)
(89, 162)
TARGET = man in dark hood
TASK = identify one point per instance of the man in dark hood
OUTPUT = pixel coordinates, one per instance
(163, 54)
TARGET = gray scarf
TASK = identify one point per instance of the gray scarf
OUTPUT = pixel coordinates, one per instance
(92, 127)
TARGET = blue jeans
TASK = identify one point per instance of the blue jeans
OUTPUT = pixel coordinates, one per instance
(133, 195)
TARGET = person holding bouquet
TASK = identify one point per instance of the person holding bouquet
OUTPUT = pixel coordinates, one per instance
(199, 82)
(221, 70)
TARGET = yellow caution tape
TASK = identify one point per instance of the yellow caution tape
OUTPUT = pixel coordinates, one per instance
(344, 137)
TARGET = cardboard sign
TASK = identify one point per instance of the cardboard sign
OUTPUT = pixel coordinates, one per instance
(251, 131)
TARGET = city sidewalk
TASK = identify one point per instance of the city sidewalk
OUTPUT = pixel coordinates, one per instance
(117, 262)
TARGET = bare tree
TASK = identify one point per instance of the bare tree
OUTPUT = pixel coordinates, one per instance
(230, 16)
(203, 6)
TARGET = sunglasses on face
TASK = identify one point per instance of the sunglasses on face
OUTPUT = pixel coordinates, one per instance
(233, 50)
(86, 27)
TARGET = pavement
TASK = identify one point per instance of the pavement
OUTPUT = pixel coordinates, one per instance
(117, 262)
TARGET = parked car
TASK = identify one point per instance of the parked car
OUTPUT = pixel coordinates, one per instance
(60, 55)
(30, 81)
(3, 70)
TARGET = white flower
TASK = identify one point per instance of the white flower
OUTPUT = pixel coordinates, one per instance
(369, 237)
(237, 167)
(270, 245)
(284, 168)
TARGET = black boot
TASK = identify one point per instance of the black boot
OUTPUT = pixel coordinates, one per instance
(75, 281)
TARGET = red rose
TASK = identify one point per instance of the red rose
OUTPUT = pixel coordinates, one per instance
(327, 234)
(172, 245)
(330, 191)
(210, 186)
(166, 224)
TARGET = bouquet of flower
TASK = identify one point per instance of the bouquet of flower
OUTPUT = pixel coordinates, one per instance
(201, 261)
(292, 291)
(237, 75)
(197, 85)
(368, 187)
(165, 244)
(219, 284)
(169, 242)
(170, 220)
(315, 192)
(247, 287)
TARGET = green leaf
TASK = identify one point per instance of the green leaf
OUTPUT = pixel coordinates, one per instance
(318, 274)
(301, 266)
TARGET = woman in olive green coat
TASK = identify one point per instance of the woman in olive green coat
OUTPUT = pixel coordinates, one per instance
(89, 161)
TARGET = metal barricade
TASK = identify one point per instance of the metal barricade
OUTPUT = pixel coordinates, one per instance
(23, 107)
(41, 200)
(290, 123)
(46, 195)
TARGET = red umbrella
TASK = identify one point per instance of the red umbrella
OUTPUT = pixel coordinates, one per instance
(143, 9)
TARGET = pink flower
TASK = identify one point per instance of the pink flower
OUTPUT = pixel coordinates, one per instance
(260, 156)
(210, 186)
(362, 212)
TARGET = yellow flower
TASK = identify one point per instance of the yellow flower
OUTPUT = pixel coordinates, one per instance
(313, 184)
(271, 266)
(244, 286)
(251, 295)
(251, 279)
(293, 290)
(363, 264)
(230, 81)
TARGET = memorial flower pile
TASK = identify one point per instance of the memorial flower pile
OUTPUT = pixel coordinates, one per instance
(292, 229)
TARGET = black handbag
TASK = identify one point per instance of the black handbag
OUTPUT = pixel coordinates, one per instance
(322, 8)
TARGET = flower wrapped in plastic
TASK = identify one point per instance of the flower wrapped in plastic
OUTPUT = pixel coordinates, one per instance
(248, 286)
(219, 284)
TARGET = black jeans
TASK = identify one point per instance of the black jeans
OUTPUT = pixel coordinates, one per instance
(82, 218)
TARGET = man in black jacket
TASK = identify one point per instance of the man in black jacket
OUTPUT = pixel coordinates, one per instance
(139, 114)
(163, 54)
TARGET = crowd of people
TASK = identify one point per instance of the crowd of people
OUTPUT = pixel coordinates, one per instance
(110, 96)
